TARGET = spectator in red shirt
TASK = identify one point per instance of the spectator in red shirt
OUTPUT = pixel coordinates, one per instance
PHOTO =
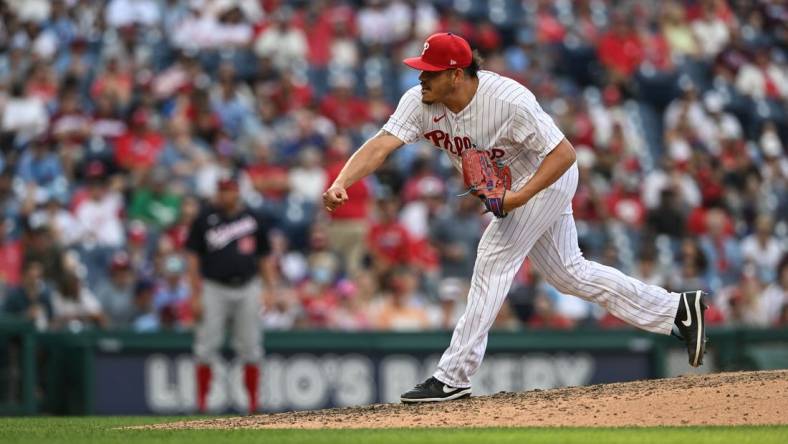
(42, 83)
(349, 223)
(138, 148)
(292, 92)
(268, 177)
(10, 257)
(388, 240)
(346, 110)
(549, 29)
(620, 49)
(624, 203)
(115, 81)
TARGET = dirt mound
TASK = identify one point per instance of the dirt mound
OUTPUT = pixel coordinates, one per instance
(720, 399)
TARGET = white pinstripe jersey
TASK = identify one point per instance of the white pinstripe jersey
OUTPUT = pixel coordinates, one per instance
(502, 118)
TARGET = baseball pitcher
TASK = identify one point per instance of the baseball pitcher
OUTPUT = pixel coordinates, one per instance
(526, 177)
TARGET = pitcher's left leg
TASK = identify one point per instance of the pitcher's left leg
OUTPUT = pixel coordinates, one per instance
(557, 257)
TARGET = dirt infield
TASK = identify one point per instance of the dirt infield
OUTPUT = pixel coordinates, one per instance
(748, 398)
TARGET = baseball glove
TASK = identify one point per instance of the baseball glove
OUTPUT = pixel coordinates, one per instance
(486, 180)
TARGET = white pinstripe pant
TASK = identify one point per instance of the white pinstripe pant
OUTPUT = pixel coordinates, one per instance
(544, 230)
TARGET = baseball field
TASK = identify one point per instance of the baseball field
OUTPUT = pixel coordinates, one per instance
(747, 407)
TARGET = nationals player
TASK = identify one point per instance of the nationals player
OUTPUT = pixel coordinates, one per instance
(457, 107)
(228, 248)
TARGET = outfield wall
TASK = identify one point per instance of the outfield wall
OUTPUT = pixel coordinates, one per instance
(131, 373)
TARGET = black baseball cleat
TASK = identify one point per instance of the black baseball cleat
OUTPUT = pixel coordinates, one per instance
(433, 390)
(691, 325)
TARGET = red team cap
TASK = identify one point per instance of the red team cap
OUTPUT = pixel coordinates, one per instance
(442, 51)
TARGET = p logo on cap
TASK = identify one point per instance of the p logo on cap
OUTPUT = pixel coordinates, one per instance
(442, 51)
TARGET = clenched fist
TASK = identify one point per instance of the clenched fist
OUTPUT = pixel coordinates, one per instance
(334, 197)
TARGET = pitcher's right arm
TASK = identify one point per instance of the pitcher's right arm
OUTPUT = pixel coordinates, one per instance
(361, 164)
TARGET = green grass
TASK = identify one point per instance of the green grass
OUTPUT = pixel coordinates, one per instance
(104, 430)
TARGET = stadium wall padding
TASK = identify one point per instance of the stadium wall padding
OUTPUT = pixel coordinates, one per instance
(97, 372)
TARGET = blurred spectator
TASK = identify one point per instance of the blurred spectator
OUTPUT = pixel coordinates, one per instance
(144, 316)
(762, 79)
(116, 294)
(100, 212)
(120, 13)
(648, 269)
(344, 108)
(31, 300)
(281, 310)
(139, 147)
(350, 313)
(268, 178)
(402, 309)
(24, 116)
(231, 101)
(39, 166)
(153, 203)
(720, 248)
(546, 316)
(388, 240)
(74, 307)
(115, 81)
(307, 179)
(692, 267)
(678, 31)
(746, 307)
(172, 294)
(40, 247)
(456, 236)
(177, 233)
(452, 293)
(349, 223)
(763, 249)
(775, 297)
(106, 121)
(670, 176)
(710, 30)
(285, 44)
(382, 22)
(10, 256)
(64, 227)
(668, 217)
(620, 49)
(70, 125)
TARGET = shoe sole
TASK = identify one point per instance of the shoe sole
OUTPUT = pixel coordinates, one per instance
(700, 344)
(459, 395)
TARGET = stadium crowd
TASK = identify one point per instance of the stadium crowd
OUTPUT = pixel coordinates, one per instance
(118, 117)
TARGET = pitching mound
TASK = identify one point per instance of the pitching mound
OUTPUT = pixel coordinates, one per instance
(752, 398)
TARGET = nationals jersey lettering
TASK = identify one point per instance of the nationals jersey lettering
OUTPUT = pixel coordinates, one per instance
(218, 237)
(503, 118)
(229, 246)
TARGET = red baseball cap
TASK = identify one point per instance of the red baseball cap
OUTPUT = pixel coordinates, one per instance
(442, 51)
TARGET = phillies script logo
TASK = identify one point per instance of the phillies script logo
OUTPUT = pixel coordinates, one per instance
(457, 145)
